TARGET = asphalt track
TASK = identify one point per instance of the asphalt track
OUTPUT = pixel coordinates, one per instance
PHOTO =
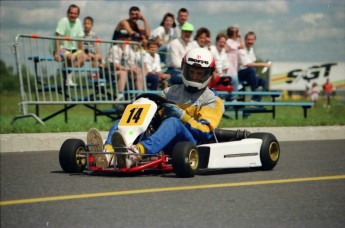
(306, 189)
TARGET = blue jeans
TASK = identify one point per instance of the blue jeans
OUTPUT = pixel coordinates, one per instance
(162, 52)
(234, 83)
(176, 75)
(152, 81)
(249, 75)
(170, 132)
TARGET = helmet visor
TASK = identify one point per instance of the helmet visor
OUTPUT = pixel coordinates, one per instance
(196, 73)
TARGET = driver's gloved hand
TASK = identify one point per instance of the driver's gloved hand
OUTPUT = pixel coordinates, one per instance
(172, 110)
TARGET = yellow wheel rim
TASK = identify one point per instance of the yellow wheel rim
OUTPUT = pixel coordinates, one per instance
(193, 159)
(274, 151)
(80, 159)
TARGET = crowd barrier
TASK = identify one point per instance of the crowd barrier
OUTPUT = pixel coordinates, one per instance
(43, 80)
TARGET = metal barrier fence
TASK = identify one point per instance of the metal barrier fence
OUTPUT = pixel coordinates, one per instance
(46, 81)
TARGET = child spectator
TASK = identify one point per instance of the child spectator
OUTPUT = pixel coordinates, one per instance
(91, 49)
(122, 58)
(314, 93)
(233, 44)
(152, 67)
(328, 90)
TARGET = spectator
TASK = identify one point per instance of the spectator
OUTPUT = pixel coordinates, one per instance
(152, 67)
(202, 38)
(328, 91)
(247, 64)
(314, 93)
(182, 18)
(176, 51)
(122, 58)
(164, 34)
(136, 31)
(220, 80)
(71, 51)
(233, 44)
(91, 49)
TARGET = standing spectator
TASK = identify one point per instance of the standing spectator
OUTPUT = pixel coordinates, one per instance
(152, 67)
(182, 18)
(122, 58)
(164, 34)
(220, 80)
(71, 51)
(314, 93)
(202, 38)
(247, 64)
(176, 51)
(91, 49)
(328, 90)
(135, 30)
(233, 44)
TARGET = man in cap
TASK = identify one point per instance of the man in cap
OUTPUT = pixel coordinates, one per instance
(176, 51)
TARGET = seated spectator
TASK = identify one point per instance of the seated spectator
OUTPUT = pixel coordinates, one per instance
(135, 30)
(71, 51)
(233, 44)
(122, 58)
(220, 81)
(202, 38)
(152, 67)
(164, 34)
(247, 66)
(91, 49)
(176, 51)
(182, 17)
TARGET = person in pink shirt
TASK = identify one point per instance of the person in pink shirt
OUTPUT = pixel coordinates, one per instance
(233, 44)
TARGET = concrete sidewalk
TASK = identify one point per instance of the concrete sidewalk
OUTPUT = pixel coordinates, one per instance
(53, 141)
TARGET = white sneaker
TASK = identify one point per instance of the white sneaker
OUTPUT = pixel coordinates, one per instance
(95, 142)
(69, 80)
(120, 97)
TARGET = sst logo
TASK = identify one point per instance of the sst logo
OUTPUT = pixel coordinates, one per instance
(311, 73)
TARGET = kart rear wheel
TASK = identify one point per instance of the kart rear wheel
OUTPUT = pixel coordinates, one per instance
(270, 150)
(185, 159)
(71, 161)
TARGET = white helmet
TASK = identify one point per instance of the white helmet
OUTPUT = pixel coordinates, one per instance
(198, 66)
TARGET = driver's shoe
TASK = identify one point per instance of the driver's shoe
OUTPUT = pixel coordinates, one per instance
(119, 145)
(95, 142)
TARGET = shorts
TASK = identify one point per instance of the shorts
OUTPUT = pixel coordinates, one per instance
(66, 52)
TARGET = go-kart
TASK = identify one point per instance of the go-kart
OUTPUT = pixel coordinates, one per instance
(226, 149)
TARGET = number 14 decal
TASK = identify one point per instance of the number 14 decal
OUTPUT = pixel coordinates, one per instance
(134, 115)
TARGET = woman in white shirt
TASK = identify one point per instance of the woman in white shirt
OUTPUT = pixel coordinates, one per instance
(164, 34)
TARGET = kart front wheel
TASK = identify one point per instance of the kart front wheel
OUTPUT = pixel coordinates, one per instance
(270, 150)
(185, 159)
(71, 161)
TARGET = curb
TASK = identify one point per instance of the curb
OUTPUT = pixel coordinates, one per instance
(29, 142)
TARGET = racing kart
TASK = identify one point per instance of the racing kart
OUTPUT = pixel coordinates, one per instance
(226, 149)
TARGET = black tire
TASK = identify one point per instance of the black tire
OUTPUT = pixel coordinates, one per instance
(71, 161)
(185, 159)
(270, 150)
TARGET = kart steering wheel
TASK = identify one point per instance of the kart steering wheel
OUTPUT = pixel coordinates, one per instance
(160, 101)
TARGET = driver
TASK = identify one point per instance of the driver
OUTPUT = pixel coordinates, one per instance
(194, 116)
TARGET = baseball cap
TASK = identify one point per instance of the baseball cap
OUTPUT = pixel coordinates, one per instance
(187, 27)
